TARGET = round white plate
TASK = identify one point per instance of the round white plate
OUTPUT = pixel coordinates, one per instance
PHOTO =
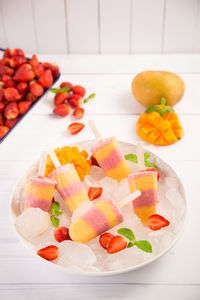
(172, 204)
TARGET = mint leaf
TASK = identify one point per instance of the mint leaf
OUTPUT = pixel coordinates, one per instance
(131, 157)
(149, 164)
(144, 245)
(163, 101)
(58, 213)
(128, 233)
(146, 155)
(130, 244)
(153, 108)
(55, 221)
(91, 96)
(63, 90)
(55, 207)
(169, 109)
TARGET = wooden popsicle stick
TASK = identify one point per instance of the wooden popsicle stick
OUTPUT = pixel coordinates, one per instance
(95, 131)
(129, 198)
(140, 155)
(42, 165)
(53, 157)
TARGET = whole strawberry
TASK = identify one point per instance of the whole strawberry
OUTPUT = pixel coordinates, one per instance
(12, 94)
(11, 110)
(24, 73)
(36, 89)
(46, 79)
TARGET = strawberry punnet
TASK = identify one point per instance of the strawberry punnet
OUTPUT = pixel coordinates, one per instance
(156, 222)
(105, 240)
(49, 253)
(94, 192)
(24, 73)
(75, 128)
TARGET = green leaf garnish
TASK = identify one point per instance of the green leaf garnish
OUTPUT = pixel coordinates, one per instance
(163, 101)
(146, 155)
(144, 245)
(89, 97)
(128, 233)
(149, 164)
(133, 158)
(55, 221)
(130, 244)
(55, 207)
(63, 90)
(161, 110)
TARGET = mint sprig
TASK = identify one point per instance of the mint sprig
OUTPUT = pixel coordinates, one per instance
(144, 245)
(62, 90)
(55, 211)
(161, 110)
(91, 96)
(147, 163)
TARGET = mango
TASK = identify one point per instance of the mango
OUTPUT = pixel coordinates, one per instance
(149, 87)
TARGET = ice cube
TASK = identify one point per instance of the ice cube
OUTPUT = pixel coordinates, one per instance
(81, 209)
(76, 254)
(122, 190)
(95, 176)
(32, 222)
(109, 186)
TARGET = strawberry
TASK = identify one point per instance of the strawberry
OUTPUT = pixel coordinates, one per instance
(38, 69)
(153, 170)
(2, 106)
(61, 234)
(4, 61)
(62, 110)
(22, 87)
(55, 70)
(78, 112)
(78, 89)
(24, 106)
(12, 94)
(24, 73)
(46, 79)
(1, 84)
(75, 128)
(156, 222)
(17, 61)
(49, 253)
(2, 120)
(31, 97)
(17, 52)
(6, 70)
(75, 100)
(36, 89)
(3, 131)
(2, 92)
(7, 53)
(94, 192)
(10, 123)
(94, 161)
(66, 84)
(33, 61)
(8, 81)
(11, 111)
(105, 240)
(46, 65)
(117, 244)
(60, 98)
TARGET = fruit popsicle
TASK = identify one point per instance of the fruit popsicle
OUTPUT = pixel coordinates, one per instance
(39, 190)
(104, 215)
(69, 186)
(145, 205)
(109, 156)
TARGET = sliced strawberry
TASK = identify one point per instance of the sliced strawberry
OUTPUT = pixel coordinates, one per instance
(8, 81)
(156, 222)
(62, 110)
(2, 106)
(11, 110)
(24, 73)
(46, 79)
(78, 89)
(74, 128)
(12, 94)
(153, 170)
(24, 106)
(61, 234)
(38, 70)
(36, 89)
(105, 240)
(66, 84)
(3, 131)
(10, 123)
(75, 100)
(60, 98)
(49, 253)
(94, 161)
(78, 112)
(94, 192)
(34, 61)
(117, 244)
(22, 87)
(17, 61)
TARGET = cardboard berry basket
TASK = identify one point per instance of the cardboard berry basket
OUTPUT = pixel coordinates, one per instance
(32, 105)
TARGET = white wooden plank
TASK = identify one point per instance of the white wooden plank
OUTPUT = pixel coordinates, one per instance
(180, 25)
(121, 291)
(82, 22)
(19, 26)
(197, 30)
(147, 26)
(115, 26)
(49, 18)
(3, 41)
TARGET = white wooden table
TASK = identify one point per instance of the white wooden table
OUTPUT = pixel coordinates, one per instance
(115, 112)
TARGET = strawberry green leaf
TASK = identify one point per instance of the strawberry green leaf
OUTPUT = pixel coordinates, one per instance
(91, 96)
(130, 244)
(128, 233)
(55, 221)
(131, 157)
(144, 245)
(149, 164)
(55, 209)
(63, 90)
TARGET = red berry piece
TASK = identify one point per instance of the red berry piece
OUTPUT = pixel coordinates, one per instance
(49, 253)
(62, 110)
(78, 89)
(75, 100)
(105, 240)
(61, 234)
(117, 244)
(11, 110)
(94, 192)
(78, 112)
(75, 128)
(156, 222)
(3, 131)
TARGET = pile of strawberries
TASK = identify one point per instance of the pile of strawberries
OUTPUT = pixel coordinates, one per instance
(22, 81)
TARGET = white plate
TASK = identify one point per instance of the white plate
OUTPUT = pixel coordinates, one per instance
(166, 171)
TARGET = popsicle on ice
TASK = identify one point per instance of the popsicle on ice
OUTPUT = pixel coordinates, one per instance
(104, 215)
(145, 181)
(69, 184)
(39, 190)
(109, 156)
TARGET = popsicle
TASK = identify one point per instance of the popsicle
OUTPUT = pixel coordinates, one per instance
(104, 215)
(69, 184)
(145, 181)
(109, 156)
(39, 190)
